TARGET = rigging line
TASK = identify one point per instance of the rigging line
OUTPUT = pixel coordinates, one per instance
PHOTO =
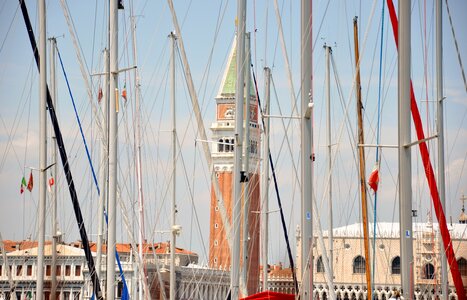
(9, 28)
(82, 62)
(378, 140)
(14, 128)
(79, 121)
(457, 46)
(284, 227)
(286, 59)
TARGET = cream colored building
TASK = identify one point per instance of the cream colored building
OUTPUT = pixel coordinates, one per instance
(349, 262)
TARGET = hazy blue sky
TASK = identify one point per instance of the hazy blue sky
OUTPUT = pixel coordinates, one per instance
(208, 29)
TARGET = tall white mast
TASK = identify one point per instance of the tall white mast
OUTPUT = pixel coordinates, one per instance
(139, 169)
(104, 159)
(53, 88)
(440, 131)
(42, 147)
(246, 165)
(328, 128)
(306, 149)
(265, 179)
(113, 145)
(239, 92)
(174, 169)
(405, 167)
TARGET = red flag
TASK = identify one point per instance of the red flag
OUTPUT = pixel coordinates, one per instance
(99, 95)
(51, 183)
(124, 92)
(373, 180)
(30, 182)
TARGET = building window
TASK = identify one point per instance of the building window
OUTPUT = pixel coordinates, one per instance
(216, 225)
(215, 260)
(220, 146)
(19, 270)
(119, 289)
(67, 270)
(462, 264)
(359, 265)
(428, 271)
(48, 270)
(78, 271)
(319, 265)
(29, 270)
(58, 270)
(1, 270)
(396, 265)
(216, 243)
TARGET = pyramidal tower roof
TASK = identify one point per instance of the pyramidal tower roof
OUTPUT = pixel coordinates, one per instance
(229, 81)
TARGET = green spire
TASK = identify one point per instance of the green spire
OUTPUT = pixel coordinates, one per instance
(229, 81)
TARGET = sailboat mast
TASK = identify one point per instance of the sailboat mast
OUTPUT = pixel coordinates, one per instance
(361, 153)
(328, 127)
(53, 87)
(103, 170)
(440, 131)
(113, 144)
(265, 180)
(42, 146)
(405, 167)
(239, 99)
(174, 170)
(139, 168)
(246, 164)
(306, 136)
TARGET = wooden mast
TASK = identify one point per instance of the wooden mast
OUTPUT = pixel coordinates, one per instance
(361, 155)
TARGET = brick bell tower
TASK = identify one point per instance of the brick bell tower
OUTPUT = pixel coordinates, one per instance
(223, 130)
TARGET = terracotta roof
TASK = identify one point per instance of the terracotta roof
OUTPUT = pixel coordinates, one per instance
(281, 273)
(159, 248)
(21, 245)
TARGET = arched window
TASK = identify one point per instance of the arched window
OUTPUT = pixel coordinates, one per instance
(319, 265)
(428, 271)
(359, 265)
(231, 144)
(396, 265)
(462, 264)
(220, 146)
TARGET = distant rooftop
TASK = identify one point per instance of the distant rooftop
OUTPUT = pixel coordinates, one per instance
(391, 230)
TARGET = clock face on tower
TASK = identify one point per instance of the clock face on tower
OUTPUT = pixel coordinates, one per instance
(227, 112)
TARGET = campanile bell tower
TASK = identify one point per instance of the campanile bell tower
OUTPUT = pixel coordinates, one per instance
(223, 130)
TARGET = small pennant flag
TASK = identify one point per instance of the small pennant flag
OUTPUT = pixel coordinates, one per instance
(51, 183)
(124, 92)
(30, 183)
(99, 95)
(373, 180)
(23, 185)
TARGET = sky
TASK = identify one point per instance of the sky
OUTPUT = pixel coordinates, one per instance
(208, 28)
